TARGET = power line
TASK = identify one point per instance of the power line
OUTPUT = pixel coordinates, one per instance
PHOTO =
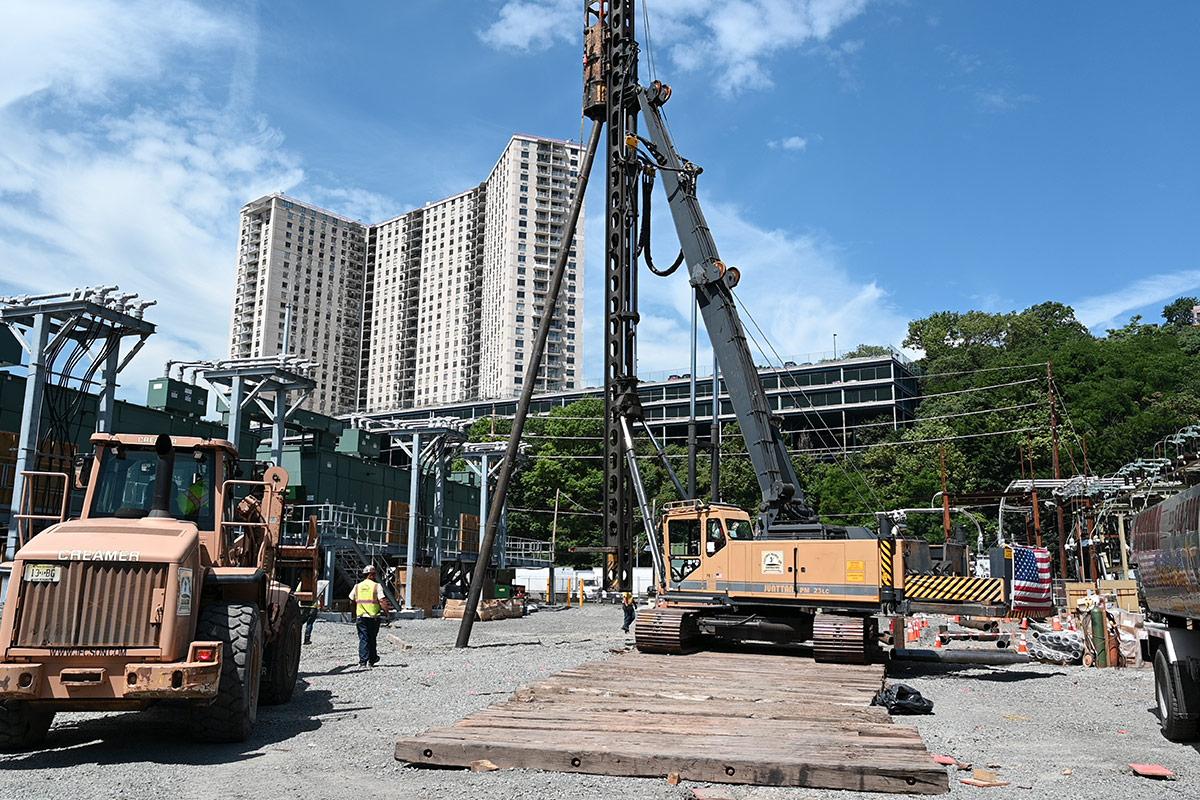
(832, 436)
(973, 389)
(924, 375)
(833, 450)
(859, 426)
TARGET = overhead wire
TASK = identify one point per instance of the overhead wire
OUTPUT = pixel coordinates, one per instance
(832, 451)
(833, 437)
(858, 426)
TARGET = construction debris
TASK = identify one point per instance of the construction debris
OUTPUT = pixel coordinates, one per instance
(1156, 771)
(984, 779)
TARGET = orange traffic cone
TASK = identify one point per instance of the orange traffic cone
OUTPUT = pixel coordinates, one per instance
(957, 619)
(1022, 647)
(937, 643)
(1055, 624)
(1024, 623)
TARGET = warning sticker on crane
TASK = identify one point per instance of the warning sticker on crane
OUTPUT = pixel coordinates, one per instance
(772, 562)
(856, 571)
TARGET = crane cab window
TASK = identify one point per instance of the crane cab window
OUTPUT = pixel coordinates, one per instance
(683, 538)
(740, 530)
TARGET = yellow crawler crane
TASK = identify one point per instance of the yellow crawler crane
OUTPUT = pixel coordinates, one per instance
(775, 573)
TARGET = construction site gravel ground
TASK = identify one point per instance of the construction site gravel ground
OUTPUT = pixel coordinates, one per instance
(1053, 732)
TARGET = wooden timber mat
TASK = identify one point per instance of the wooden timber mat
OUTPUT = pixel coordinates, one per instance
(748, 718)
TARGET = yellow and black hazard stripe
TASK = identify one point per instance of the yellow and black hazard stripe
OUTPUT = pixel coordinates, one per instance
(887, 548)
(954, 589)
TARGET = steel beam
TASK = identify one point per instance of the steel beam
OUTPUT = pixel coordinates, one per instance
(31, 419)
(414, 499)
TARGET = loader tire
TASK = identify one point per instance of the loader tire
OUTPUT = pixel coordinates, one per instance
(1171, 685)
(230, 716)
(22, 726)
(282, 658)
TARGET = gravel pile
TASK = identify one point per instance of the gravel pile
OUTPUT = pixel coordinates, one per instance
(334, 740)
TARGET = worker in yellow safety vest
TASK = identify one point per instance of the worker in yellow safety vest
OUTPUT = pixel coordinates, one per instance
(194, 499)
(369, 605)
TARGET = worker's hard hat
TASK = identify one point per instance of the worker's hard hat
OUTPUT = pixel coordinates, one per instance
(628, 596)
(368, 570)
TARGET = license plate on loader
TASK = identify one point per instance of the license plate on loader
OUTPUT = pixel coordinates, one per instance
(43, 573)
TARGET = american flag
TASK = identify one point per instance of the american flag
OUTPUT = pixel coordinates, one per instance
(1031, 578)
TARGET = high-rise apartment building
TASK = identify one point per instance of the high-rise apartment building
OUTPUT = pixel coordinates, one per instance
(437, 305)
(528, 196)
(302, 265)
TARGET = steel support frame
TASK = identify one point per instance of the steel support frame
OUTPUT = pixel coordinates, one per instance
(240, 384)
(85, 316)
(490, 457)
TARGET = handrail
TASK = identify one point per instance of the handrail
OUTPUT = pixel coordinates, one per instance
(26, 490)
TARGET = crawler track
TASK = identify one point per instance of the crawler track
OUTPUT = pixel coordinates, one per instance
(844, 640)
(671, 631)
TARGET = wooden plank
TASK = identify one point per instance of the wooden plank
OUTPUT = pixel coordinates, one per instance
(657, 723)
(619, 759)
(723, 717)
(547, 704)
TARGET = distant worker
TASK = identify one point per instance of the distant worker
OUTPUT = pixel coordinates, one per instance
(310, 609)
(369, 603)
(630, 609)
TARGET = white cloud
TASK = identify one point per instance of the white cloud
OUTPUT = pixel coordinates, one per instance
(736, 38)
(122, 165)
(78, 49)
(1105, 310)
(796, 286)
(359, 204)
(1001, 101)
(794, 143)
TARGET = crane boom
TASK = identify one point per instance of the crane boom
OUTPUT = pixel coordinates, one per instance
(713, 282)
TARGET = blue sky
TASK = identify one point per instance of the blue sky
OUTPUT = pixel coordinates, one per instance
(866, 162)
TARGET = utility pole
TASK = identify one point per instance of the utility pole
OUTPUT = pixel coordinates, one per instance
(1091, 521)
(1037, 514)
(1021, 461)
(1062, 535)
(945, 495)
(551, 599)
(1091, 538)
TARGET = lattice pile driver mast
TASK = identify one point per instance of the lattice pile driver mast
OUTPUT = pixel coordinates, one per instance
(610, 94)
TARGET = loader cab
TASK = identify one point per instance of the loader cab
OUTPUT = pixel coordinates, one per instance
(125, 480)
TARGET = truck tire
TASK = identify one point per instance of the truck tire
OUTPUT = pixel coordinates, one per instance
(230, 716)
(1169, 689)
(282, 659)
(22, 726)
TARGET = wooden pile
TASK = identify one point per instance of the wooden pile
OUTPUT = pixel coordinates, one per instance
(769, 720)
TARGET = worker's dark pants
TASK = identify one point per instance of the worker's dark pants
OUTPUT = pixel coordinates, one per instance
(308, 616)
(368, 632)
(630, 614)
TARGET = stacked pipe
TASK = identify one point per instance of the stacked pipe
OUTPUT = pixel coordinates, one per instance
(1056, 647)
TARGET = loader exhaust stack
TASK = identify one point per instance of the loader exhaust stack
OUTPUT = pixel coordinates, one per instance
(163, 481)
